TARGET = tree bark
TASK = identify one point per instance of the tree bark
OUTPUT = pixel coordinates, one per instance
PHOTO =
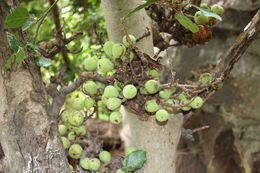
(28, 134)
(160, 142)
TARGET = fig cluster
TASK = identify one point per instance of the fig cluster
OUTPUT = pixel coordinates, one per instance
(71, 127)
(201, 19)
(103, 100)
(94, 164)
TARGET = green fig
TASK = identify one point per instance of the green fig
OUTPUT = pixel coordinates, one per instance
(75, 151)
(90, 64)
(152, 86)
(162, 115)
(129, 91)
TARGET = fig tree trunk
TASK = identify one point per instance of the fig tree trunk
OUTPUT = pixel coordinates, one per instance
(160, 142)
(28, 135)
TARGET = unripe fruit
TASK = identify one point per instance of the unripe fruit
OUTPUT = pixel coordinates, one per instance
(94, 164)
(89, 103)
(129, 91)
(182, 96)
(78, 104)
(71, 167)
(186, 108)
(205, 78)
(204, 5)
(166, 93)
(104, 99)
(218, 86)
(120, 171)
(154, 73)
(110, 91)
(81, 130)
(113, 103)
(152, 86)
(217, 9)
(197, 102)
(90, 64)
(110, 73)
(71, 136)
(90, 87)
(65, 142)
(143, 91)
(105, 65)
(151, 106)
(84, 163)
(117, 86)
(200, 18)
(62, 129)
(129, 150)
(65, 115)
(75, 151)
(101, 104)
(71, 128)
(171, 102)
(100, 85)
(131, 56)
(107, 47)
(130, 40)
(76, 119)
(116, 117)
(103, 116)
(118, 50)
(105, 156)
(162, 115)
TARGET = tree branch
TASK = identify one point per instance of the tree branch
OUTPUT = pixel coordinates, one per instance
(41, 19)
(57, 45)
(84, 77)
(56, 17)
(239, 47)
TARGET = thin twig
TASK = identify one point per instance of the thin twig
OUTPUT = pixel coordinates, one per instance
(200, 128)
(84, 77)
(41, 19)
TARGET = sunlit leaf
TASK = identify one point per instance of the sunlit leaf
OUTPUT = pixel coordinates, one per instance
(32, 46)
(13, 41)
(10, 61)
(17, 18)
(20, 55)
(207, 12)
(144, 5)
(28, 23)
(186, 22)
(43, 62)
(134, 160)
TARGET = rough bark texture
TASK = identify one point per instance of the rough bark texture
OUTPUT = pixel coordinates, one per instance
(232, 143)
(159, 141)
(28, 135)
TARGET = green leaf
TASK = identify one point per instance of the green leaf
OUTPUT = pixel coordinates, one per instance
(43, 62)
(32, 46)
(186, 22)
(13, 41)
(134, 160)
(10, 62)
(20, 55)
(17, 18)
(144, 5)
(28, 23)
(207, 12)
